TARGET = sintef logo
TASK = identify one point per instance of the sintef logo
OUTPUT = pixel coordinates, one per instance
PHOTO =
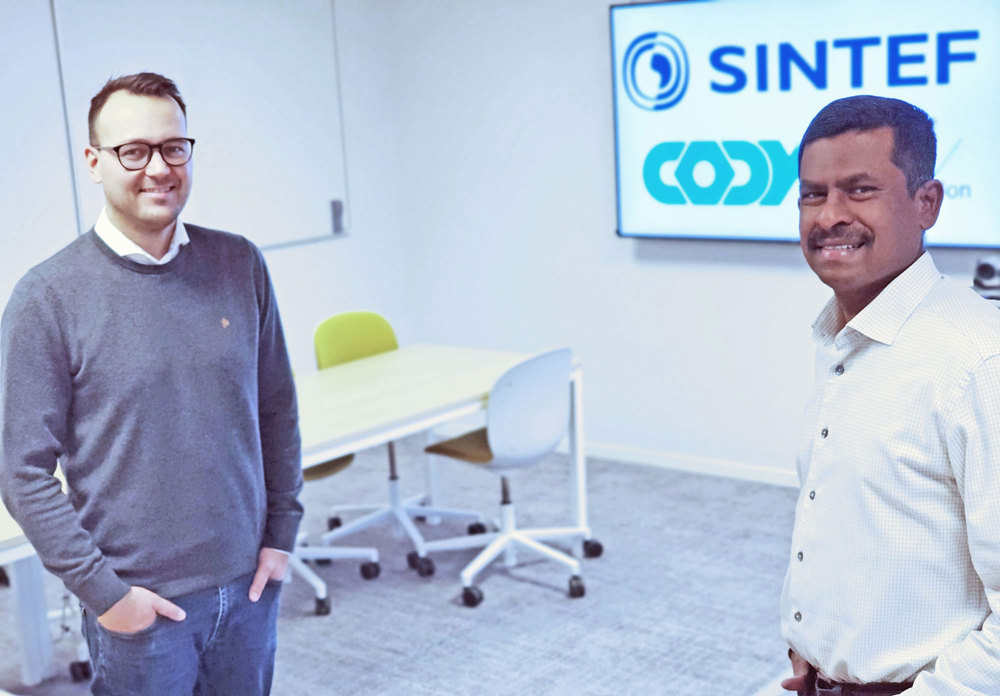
(655, 71)
(905, 60)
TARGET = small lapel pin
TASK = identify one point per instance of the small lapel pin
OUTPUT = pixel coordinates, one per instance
(225, 322)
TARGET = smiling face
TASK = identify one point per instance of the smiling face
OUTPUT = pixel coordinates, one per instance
(858, 226)
(142, 204)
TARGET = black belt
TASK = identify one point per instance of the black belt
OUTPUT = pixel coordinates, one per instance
(829, 688)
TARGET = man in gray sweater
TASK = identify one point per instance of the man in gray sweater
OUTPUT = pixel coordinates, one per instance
(147, 358)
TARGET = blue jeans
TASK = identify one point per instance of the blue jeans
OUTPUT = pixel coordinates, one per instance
(224, 647)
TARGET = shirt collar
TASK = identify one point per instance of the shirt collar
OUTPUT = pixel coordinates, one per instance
(884, 316)
(125, 247)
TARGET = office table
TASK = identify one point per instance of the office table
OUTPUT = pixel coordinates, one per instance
(371, 401)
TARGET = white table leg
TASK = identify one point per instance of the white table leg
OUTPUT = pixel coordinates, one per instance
(27, 583)
(431, 497)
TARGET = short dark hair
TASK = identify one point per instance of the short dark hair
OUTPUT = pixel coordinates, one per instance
(145, 84)
(914, 147)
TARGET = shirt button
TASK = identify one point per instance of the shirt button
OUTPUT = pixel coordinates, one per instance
(800, 555)
(839, 369)
(824, 432)
(798, 616)
(812, 495)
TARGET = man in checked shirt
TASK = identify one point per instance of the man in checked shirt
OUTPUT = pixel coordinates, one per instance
(893, 583)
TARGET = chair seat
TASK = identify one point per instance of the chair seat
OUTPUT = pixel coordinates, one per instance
(321, 471)
(472, 447)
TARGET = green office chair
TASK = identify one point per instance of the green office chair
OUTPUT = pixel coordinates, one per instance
(351, 336)
(526, 416)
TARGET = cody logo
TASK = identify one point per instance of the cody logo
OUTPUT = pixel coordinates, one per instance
(772, 172)
(655, 71)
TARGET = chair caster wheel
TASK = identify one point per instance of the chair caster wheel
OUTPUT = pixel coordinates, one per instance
(333, 522)
(420, 518)
(322, 606)
(423, 565)
(370, 570)
(477, 528)
(80, 671)
(472, 596)
(592, 548)
(576, 588)
(322, 561)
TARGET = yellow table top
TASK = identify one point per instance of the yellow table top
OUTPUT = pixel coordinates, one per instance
(346, 403)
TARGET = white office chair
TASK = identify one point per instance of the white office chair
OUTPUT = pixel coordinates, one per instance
(325, 554)
(527, 415)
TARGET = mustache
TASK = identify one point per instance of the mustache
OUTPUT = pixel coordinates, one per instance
(819, 236)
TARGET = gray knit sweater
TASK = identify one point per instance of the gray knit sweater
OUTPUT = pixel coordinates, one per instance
(165, 393)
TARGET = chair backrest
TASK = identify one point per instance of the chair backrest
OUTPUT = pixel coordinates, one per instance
(528, 409)
(351, 336)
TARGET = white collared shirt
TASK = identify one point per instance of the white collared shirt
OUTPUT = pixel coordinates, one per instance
(126, 248)
(894, 570)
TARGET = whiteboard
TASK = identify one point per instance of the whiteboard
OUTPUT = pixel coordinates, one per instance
(260, 83)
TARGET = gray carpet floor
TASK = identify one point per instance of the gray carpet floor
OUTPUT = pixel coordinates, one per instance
(684, 601)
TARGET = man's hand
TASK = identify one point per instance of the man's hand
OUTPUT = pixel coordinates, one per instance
(271, 565)
(137, 610)
(800, 683)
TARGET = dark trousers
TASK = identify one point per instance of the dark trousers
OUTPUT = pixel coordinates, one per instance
(224, 647)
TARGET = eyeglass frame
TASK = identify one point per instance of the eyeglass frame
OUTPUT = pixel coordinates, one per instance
(152, 148)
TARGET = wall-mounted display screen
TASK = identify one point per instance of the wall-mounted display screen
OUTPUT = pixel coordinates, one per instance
(711, 98)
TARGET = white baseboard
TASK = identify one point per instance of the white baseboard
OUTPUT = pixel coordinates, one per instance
(695, 464)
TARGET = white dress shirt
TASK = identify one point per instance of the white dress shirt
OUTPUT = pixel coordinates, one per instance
(894, 571)
(125, 247)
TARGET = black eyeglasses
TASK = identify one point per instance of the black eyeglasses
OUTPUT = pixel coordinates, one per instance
(135, 156)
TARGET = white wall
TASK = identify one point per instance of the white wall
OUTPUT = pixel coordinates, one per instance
(480, 169)
(696, 354)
